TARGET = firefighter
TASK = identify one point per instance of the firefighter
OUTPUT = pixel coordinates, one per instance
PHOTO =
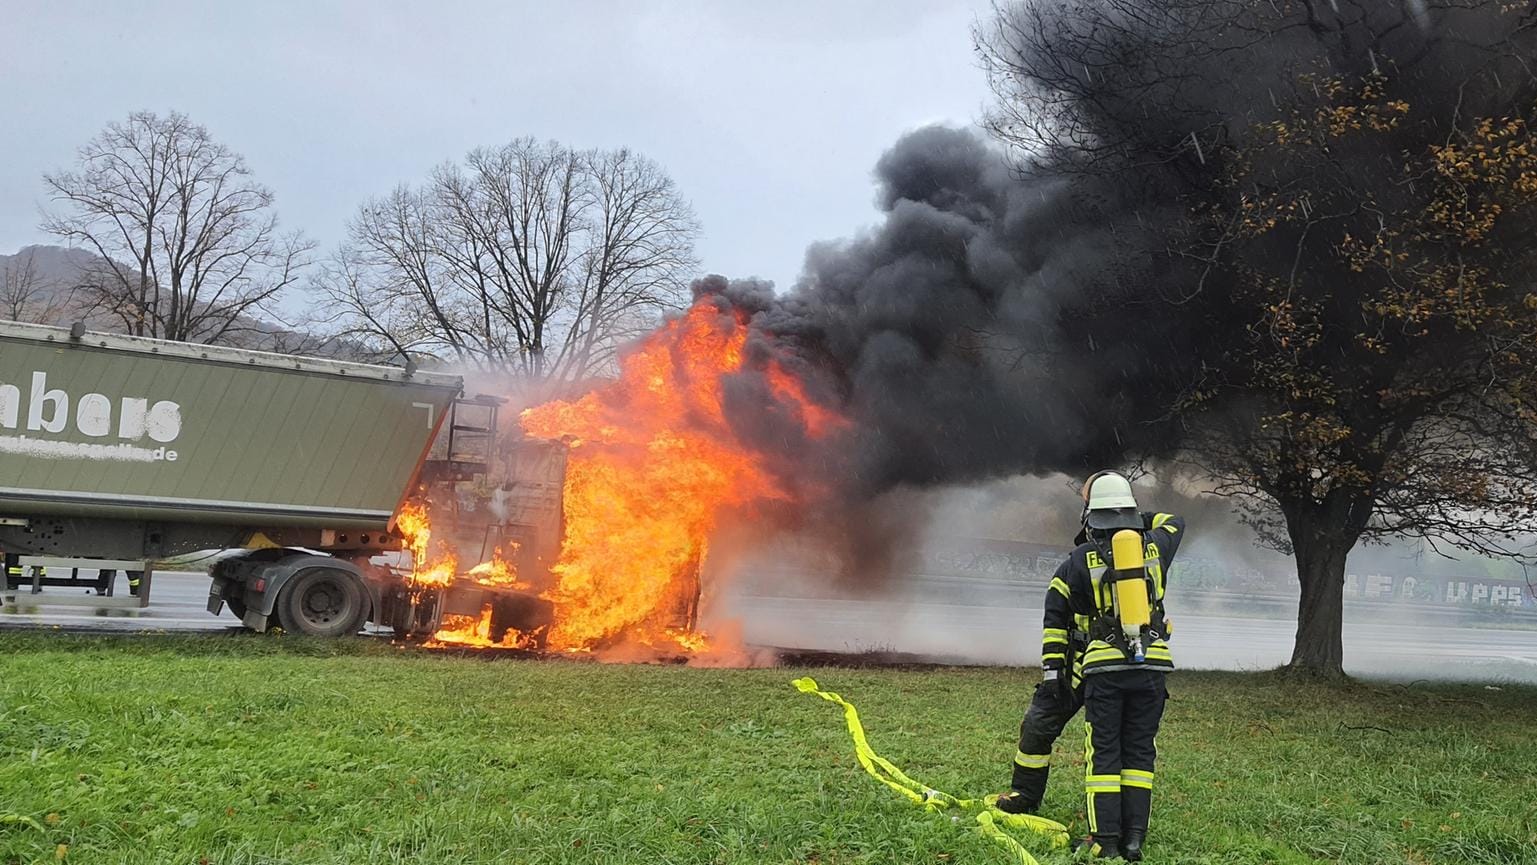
(135, 579)
(1056, 700)
(1114, 584)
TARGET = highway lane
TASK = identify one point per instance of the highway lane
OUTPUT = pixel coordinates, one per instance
(178, 602)
(1011, 635)
(1001, 633)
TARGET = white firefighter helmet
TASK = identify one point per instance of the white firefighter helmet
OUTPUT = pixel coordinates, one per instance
(1109, 503)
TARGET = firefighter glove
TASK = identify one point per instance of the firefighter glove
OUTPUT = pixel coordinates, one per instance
(1060, 680)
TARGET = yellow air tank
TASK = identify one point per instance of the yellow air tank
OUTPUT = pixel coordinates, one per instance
(1130, 593)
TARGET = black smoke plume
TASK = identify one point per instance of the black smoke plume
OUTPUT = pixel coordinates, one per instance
(1014, 315)
(964, 335)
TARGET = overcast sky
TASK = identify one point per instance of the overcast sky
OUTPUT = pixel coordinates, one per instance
(770, 115)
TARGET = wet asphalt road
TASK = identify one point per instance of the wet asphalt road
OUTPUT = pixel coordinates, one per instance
(178, 602)
(995, 634)
(1011, 635)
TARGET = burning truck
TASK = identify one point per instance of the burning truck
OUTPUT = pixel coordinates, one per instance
(120, 454)
(338, 494)
(604, 506)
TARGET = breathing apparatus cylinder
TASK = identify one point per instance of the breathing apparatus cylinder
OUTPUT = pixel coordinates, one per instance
(1131, 601)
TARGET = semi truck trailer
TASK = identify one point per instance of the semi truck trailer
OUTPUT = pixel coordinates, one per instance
(119, 452)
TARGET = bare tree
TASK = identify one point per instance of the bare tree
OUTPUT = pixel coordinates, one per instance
(24, 296)
(190, 249)
(637, 268)
(531, 258)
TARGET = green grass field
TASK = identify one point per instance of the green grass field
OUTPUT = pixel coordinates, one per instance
(252, 749)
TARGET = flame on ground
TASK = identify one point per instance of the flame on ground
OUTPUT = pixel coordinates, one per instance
(653, 466)
(475, 631)
(689, 641)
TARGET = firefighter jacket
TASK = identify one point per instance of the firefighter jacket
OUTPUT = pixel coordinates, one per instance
(1081, 600)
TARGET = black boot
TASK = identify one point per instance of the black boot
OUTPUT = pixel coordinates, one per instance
(1131, 844)
(1099, 846)
(1136, 806)
(1015, 802)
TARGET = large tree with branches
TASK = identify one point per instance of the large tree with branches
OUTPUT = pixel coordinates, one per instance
(1336, 200)
(188, 242)
(531, 258)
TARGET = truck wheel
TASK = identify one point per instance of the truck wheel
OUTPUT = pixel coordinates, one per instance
(322, 602)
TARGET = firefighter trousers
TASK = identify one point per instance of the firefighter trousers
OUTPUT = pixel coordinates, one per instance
(1051, 707)
(1122, 709)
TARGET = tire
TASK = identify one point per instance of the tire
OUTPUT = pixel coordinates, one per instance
(236, 607)
(322, 602)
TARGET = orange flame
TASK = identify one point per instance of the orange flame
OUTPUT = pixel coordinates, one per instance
(653, 466)
(475, 631)
(439, 568)
(689, 641)
(818, 421)
(498, 572)
(415, 526)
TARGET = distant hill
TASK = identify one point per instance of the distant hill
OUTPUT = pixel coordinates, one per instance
(39, 284)
(36, 284)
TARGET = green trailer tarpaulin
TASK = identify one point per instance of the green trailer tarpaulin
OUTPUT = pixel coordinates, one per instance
(133, 428)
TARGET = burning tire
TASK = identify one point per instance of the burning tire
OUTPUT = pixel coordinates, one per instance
(322, 602)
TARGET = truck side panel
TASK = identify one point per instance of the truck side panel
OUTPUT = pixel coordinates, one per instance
(90, 429)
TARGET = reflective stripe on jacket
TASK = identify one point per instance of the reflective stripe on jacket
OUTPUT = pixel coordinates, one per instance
(1079, 598)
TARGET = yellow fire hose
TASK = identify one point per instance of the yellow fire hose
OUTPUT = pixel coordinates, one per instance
(885, 772)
